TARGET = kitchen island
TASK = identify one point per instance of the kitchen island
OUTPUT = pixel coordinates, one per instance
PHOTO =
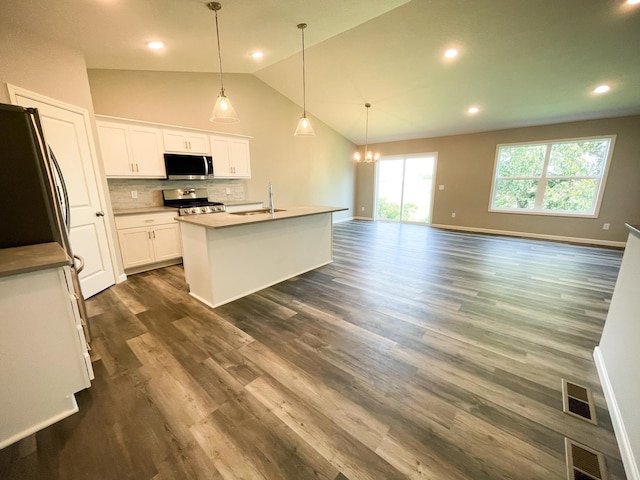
(229, 255)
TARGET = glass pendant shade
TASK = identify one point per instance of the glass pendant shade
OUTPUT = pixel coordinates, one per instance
(223, 111)
(304, 128)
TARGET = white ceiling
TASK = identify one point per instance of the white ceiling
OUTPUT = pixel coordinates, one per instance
(522, 62)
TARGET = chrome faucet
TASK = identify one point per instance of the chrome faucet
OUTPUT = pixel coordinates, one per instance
(271, 207)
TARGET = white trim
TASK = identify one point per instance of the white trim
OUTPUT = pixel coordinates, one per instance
(626, 452)
(364, 218)
(121, 278)
(543, 236)
(341, 220)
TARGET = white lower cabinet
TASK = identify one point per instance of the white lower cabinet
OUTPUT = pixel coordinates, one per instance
(44, 358)
(148, 239)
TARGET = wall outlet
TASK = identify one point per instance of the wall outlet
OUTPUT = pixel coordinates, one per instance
(453, 215)
(440, 187)
(228, 191)
(362, 209)
(606, 226)
(134, 194)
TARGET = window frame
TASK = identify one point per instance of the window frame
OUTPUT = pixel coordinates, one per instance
(543, 179)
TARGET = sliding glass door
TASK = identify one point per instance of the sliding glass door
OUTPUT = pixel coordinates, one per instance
(404, 188)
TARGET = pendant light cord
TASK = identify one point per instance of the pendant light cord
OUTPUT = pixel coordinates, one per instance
(219, 54)
(302, 26)
(366, 132)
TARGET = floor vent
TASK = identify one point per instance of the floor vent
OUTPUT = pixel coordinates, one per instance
(584, 463)
(578, 401)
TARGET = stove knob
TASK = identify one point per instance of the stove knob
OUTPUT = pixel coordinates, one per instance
(204, 209)
(193, 210)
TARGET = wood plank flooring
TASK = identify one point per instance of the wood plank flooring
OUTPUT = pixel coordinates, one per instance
(418, 353)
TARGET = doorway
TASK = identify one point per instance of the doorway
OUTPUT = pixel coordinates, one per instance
(404, 188)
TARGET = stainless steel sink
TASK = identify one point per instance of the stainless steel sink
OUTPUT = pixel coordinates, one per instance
(257, 212)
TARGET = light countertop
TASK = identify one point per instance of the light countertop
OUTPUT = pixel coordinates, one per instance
(225, 220)
(32, 258)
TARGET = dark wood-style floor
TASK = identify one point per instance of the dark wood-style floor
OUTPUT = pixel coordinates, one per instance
(418, 353)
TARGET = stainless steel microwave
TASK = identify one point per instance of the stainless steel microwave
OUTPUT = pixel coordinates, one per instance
(188, 167)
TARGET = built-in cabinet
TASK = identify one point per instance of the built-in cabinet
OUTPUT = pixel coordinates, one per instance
(133, 149)
(177, 141)
(43, 349)
(148, 240)
(130, 150)
(230, 157)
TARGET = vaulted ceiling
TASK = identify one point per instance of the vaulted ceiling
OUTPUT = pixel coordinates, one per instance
(520, 62)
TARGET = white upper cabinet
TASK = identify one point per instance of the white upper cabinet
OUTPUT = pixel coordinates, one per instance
(230, 157)
(185, 142)
(131, 150)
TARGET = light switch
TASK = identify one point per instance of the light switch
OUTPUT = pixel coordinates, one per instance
(440, 187)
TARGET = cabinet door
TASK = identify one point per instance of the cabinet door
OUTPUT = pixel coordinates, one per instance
(166, 240)
(240, 163)
(115, 149)
(136, 246)
(220, 154)
(185, 142)
(146, 152)
(198, 143)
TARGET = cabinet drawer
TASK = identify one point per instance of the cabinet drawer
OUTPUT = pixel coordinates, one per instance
(145, 220)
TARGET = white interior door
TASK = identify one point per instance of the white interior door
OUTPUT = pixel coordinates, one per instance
(66, 130)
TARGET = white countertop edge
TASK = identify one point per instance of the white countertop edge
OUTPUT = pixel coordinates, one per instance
(226, 220)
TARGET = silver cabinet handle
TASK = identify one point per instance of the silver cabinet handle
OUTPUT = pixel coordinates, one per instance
(100, 214)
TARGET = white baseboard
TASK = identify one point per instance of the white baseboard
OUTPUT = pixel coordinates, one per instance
(559, 238)
(628, 459)
(121, 278)
(363, 218)
(341, 220)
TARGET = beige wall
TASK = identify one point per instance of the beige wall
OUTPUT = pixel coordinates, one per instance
(39, 65)
(303, 170)
(465, 168)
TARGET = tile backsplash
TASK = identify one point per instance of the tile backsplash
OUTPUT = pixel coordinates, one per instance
(149, 191)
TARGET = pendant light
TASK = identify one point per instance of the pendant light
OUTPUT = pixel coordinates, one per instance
(223, 111)
(368, 156)
(304, 126)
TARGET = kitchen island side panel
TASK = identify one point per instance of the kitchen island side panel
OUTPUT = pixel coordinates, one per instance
(196, 262)
(246, 258)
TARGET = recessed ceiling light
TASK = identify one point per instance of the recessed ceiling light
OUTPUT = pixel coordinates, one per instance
(155, 45)
(451, 53)
(257, 55)
(473, 110)
(602, 89)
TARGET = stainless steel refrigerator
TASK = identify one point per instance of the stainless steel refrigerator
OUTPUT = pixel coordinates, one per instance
(34, 206)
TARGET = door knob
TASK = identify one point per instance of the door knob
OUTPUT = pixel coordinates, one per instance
(100, 214)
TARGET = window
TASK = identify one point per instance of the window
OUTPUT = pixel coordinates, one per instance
(560, 177)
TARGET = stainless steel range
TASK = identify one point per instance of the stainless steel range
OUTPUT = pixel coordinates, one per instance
(191, 201)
